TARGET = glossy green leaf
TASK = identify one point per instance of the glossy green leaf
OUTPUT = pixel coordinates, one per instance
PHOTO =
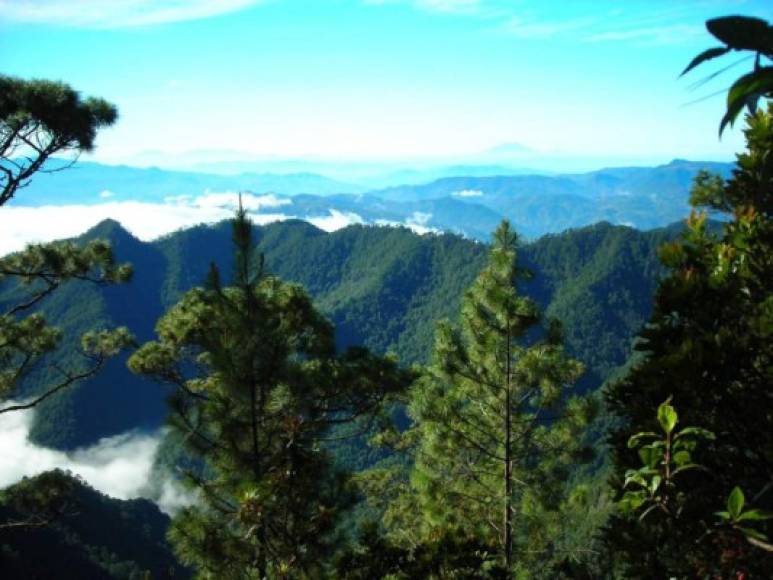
(632, 500)
(735, 502)
(754, 515)
(649, 456)
(667, 417)
(757, 535)
(695, 432)
(634, 440)
(704, 56)
(745, 91)
(681, 458)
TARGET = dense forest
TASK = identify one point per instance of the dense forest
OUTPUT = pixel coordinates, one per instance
(372, 403)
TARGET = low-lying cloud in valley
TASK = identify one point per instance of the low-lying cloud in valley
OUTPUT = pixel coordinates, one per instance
(336, 220)
(120, 466)
(20, 226)
(468, 193)
(146, 220)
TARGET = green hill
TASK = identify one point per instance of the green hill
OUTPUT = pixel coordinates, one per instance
(382, 287)
(97, 537)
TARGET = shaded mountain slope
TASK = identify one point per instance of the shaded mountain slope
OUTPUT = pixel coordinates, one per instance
(98, 537)
(382, 287)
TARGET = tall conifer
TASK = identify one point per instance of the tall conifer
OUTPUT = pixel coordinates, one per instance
(258, 389)
(495, 430)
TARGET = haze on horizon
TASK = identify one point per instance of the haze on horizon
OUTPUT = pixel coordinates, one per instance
(382, 80)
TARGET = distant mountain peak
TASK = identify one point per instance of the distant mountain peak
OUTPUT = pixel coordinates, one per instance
(510, 149)
(108, 229)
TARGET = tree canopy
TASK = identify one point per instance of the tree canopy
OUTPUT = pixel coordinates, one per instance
(708, 348)
(259, 387)
(42, 118)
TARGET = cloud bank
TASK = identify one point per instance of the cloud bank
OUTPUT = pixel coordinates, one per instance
(335, 220)
(417, 223)
(116, 13)
(146, 220)
(119, 466)
(468, 193)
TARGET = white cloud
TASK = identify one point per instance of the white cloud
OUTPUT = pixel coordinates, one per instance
(468, 193)
(522, 28)
(116, 13)
(119, 466)
(442, 6)
(147, 221)
(420, 218)
(106, 194)
(336, 220)
(658, 35)
(172, 496)
(452, 6)
(416, 223)
(230, 200)
(22, 225)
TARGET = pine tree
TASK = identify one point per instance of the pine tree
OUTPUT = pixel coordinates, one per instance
(495, 432)
(708, 348)
(259, 388)
(39, 119)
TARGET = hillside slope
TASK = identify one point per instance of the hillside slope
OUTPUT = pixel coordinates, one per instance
(384, 288)
(97, 537)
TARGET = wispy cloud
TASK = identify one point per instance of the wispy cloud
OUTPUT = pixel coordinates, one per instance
(523, 28)
(585, 22)
(115, 13)
(450, 6)
(669, 34)
(417, 222)
(439, 6)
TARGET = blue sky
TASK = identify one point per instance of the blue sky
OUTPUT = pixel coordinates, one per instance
(381, 79)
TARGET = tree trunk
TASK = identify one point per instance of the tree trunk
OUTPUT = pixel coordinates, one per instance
(508, 515)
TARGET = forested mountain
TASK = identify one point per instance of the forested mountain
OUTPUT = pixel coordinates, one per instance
(384, 288)
(468, 204)
(94, 537)
(85, 181)
(642, 197)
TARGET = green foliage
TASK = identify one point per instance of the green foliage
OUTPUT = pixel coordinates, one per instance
(259, 388)
(494, 433)
(26, 339)
(448, 557)
(663, 458)
(708, 345)
(748, 34)
(741, 520)
(38, 119)
(59, 527)
(382, 288)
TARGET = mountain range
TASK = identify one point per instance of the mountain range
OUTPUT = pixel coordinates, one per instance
(384, 288)
(470, 205)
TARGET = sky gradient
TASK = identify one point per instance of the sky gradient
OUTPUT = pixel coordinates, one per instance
(377, 79)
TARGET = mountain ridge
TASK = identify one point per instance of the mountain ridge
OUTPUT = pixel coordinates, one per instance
(382, 287)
